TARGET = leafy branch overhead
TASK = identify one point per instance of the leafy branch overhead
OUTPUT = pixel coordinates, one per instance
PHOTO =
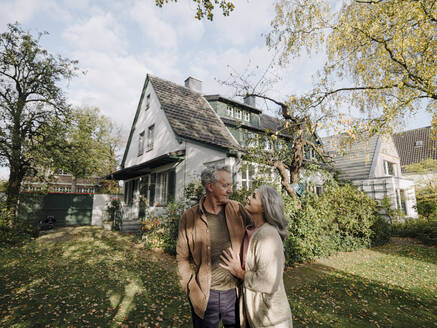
(380, 54)
(206, 7)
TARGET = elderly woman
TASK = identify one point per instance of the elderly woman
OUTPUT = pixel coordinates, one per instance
(265, 300)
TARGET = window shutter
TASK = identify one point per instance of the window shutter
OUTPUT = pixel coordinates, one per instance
(171, 185)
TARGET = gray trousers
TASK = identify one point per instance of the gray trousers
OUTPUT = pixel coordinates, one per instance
(222, 305)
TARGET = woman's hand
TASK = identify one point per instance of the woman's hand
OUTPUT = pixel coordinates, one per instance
(232, 263)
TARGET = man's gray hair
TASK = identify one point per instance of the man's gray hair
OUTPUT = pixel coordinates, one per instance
(274, 209)
(210, 174)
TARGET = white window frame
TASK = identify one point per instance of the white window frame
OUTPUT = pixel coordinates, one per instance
(246, 116)
(150, 137)
(387, 164)
(230, 111)
(238, 113)
(141, 143)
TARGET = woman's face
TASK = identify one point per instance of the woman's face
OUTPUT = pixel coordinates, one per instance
(254, 204)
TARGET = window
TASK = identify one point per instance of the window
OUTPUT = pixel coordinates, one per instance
(251, 140)
(230, 111)
(310, 154)
(150, 137)
(247, 175)
(159, 188)
(141, 143)
(247, 116)
(389, 168)
(267, 144)
(238, 114)
(130, 189)
(148, 101)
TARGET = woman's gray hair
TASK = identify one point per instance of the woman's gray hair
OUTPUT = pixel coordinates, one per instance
(274, 209)
(210, 174)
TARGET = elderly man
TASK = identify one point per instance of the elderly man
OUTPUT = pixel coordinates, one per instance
(205, 230)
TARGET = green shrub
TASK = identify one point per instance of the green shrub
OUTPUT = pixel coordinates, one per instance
(421, 229)
(161, 231)
(19, 233)
(341, 219)
(426, 202)
(381, 231)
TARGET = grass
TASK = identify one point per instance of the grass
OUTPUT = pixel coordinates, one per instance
(85, 276)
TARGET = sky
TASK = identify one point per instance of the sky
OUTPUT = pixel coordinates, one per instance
(118, 42)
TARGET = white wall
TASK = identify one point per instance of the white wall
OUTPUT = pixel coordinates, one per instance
(388, 153)
(99, 214)
(196, 155)
(164, 137)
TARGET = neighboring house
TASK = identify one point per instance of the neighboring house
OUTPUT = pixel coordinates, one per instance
(175, 134)
(415, 146)
(60, 182)
(373, 165)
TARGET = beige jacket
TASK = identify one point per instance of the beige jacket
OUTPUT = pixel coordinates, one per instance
(265, 299)
(193, 249)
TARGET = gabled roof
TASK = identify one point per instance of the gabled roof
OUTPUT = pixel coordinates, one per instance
(409, 148)
(190, 115)
(356, 162)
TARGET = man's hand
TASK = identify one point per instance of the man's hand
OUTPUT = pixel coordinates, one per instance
(232, 263)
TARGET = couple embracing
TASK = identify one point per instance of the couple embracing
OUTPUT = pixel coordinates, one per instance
(231, 258)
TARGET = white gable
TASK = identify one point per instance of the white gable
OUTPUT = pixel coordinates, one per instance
(150, 114)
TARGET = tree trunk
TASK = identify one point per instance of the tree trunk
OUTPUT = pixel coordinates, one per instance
(73, 183)
(297, 160)
(13, 192)
(284, 178)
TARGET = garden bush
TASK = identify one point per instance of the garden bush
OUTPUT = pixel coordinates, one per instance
(21, 231)
(341, 219)
(421, 229)
(161, 231)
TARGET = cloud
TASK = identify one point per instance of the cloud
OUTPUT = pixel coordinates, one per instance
(100, 32)
(169, 27)
(17, 10)
(245, 24)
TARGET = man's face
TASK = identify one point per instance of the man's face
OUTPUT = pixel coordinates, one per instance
(222, 189)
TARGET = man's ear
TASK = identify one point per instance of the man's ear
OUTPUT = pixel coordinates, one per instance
(208, 187)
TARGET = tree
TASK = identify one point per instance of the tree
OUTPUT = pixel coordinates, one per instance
(30, 100)
(289, 144)
(381, 55)
(89, 146)
(206, 7)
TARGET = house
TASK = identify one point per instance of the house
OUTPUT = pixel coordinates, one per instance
(60, 182)
(374, 166)
(415, 146)
(176, 133)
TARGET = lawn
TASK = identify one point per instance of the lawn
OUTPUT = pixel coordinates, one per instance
(88, 277)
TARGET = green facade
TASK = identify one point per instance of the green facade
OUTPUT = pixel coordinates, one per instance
(67, 209)
(221, 108)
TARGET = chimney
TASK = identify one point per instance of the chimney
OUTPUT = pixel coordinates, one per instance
(193, 84)
(250, 100)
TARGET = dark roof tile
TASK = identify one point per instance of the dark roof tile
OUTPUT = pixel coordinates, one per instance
(190, 115)
(409, 149)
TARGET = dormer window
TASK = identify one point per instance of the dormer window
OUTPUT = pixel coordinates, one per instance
(247, 116)
(419, 143)
(230, 111)
(238, 114)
